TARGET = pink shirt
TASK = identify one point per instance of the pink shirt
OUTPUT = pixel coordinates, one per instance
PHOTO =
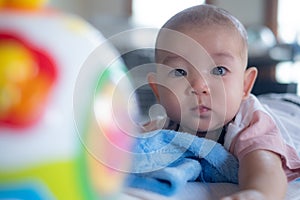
(257, 126)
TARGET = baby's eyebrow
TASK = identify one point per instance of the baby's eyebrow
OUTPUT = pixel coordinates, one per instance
(173, 57)
(170, 57)
(226, 55)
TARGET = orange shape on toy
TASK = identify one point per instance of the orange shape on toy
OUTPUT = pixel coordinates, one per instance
(27, 75)
(23, 4)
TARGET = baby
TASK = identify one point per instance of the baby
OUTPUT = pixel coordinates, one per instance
(203, 82)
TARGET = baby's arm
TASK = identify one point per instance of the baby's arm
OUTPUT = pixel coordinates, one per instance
(261, 177)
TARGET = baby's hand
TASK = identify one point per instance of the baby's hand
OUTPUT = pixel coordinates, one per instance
(246, 195)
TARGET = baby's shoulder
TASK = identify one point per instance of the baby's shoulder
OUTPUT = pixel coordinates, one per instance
(160, 123)
(155, 124)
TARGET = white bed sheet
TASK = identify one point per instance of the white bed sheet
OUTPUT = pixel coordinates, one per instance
(196, 190)
(210, 191)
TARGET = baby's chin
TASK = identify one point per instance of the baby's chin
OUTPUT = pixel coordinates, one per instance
(208, 132)
(202, 129)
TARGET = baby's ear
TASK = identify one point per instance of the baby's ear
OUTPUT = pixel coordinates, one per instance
(152, 80)
(249, 80)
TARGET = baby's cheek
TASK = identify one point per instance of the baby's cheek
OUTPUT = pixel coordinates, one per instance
(170, 101)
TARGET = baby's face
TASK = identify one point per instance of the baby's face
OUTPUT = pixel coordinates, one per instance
(200, 82)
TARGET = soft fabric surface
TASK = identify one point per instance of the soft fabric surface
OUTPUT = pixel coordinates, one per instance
(166, 160)
(205, 191)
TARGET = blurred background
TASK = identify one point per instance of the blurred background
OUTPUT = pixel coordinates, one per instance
(273, 28)
(45, 82)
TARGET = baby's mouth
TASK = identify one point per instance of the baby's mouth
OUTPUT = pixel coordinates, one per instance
(201, 109)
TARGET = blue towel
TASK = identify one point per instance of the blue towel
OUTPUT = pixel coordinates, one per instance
(165, 160)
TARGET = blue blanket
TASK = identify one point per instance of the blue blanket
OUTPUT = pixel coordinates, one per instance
(164, 161)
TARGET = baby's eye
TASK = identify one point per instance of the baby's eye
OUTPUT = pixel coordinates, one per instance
(179, 72)
(219, 71)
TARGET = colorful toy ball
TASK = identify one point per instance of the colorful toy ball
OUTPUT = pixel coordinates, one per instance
(59, 134)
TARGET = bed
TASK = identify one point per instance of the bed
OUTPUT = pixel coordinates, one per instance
(196, 190)
(199, 190)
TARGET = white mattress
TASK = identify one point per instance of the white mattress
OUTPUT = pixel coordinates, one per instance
(196, 190)
(211, 191)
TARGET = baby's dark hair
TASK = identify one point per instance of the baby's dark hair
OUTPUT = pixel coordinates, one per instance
(205, 15)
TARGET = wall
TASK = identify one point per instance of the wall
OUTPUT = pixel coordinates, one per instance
(73, 6)
(248, 12)
(112, 15)
(88, 8)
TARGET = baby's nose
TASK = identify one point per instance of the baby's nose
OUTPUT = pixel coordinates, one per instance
(199, 85)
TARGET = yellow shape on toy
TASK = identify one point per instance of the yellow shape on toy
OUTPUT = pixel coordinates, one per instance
(17, 67)
(23, 4)
(2, 2)
(61, 180)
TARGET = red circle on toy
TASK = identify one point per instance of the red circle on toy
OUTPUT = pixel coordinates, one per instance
(27, 77)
